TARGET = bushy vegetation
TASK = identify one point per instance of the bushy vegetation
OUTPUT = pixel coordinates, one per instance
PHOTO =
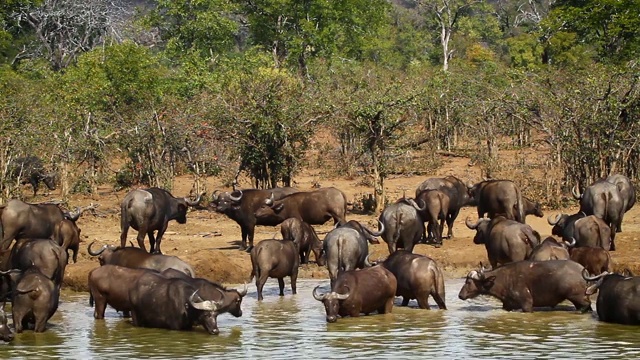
(219, 87)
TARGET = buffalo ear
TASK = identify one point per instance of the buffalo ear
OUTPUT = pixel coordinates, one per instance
(489, 282)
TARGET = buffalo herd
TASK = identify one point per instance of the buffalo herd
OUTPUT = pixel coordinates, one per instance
(162, 291)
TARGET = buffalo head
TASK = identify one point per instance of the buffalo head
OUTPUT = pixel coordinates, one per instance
(104, 254)
(477, 283)
(221, 202)
(481, 227)
(207, 312)
(331, 302)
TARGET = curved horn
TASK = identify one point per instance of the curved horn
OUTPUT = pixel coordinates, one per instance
(555, 220)
(215, 196)
(73, 216)
(416, 206)
(367, 263)
(318, 296)
(471, 225)
(270, 200)
(193, 202)
(572, 243)
(236, 199)
(207, 305)
(376, 233)
(575, 191)
(343, 296)
(585, 275)
(243, 293)
(473, 274)
(98, 252)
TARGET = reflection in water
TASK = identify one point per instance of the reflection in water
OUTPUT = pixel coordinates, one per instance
(283, 327)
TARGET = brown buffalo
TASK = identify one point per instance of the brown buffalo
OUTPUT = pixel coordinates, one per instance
(549, 249)
(587, 231)
(34, 300)
(458, 196)
(305, 237)
(275, 259)
(603, 199)
(436, 208)
(313, 207)
(110, 284)
(595, 259)
(67, 234)
(498, 197)
(403, 225)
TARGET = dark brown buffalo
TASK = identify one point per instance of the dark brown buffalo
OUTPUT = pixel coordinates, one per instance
(110, 285)
(30, 170)
(549, 249)
(305, 237)
(618, 300)
(241, 205)
(34, 300)
(275, 259)
(20, 220)
(417, 276)
(603, 199)
(133, 257)
(170, 303)
(44, 254)
(359, 291)
(495, 197)
(458, 196)
(313, 207)
(150, 210)
(588, 231)
(505, 240)
(346, 247)
(531, 208)
(6, 334)
(595, 259)
(403, 225)
(436, 208)
(67, 234)
(528, 284)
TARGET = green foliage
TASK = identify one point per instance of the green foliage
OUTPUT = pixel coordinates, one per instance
(525, 51)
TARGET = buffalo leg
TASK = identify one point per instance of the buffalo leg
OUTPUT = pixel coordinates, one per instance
(250, 234)
(260, 281)
(126, 313)
(581, 302)
(41, 324)
(612, 247)
(153, 243)
(17, 319)
(100, 306)
(388, 306)
(305, 260)
(158, 238)
(392, 247)
(405, 301)
(245, 235)
(294, 278)
(451, 218)
(281, 286)
(438, 293)
(423, 302)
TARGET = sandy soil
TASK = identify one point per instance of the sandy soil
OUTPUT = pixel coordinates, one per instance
(209, 241)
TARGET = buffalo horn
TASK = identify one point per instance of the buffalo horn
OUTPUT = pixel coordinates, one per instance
(343, 296)
(207, 305)
(572, 243)
(270, 200)
(555, 220)
(585, 275)
(317, 295)
(367, 263)
(376, 233)
(215, 196)
(471, 225)
(575, 191)
(194, 202)
(236, 199)
(244, 290)
(473, 274)
(98, 252)
(416, 206)
(73, 216)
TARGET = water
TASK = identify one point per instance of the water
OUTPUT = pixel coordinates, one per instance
(295, 326)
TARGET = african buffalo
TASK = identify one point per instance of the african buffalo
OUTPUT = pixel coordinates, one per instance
(20, 220)
(436, 208)
(305, 236)
(626, 189)
(618, 300)
(148, 210)
(528, 284)
(275, 259)
(346, 248)
(418, 276)
(6, 334)
(161, 302)
(133, 257)
(531, 207)
(34, 300)
(312, 207)
(359, 291)
(458, 196)
(549, 249)
(67, 234)
(603, 199)
(403, 225)
(110, 284)
(498, 197)
(595, 259)
(241, 206)
(505, 240)
(589, 231)
(29, 170)
(44, 254)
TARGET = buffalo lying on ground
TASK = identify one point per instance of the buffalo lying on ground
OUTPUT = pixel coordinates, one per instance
(457, 192)
(505, 240)
(305, 237)
(618, 300)
(150, 210)
(132, 257)
(275, 259)
(417, 276)
(403, 225)
(587, 231)
(313, 207)
(603, 199)
(241, 206)
(498, 197)
(359, 291)
(528, 284)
